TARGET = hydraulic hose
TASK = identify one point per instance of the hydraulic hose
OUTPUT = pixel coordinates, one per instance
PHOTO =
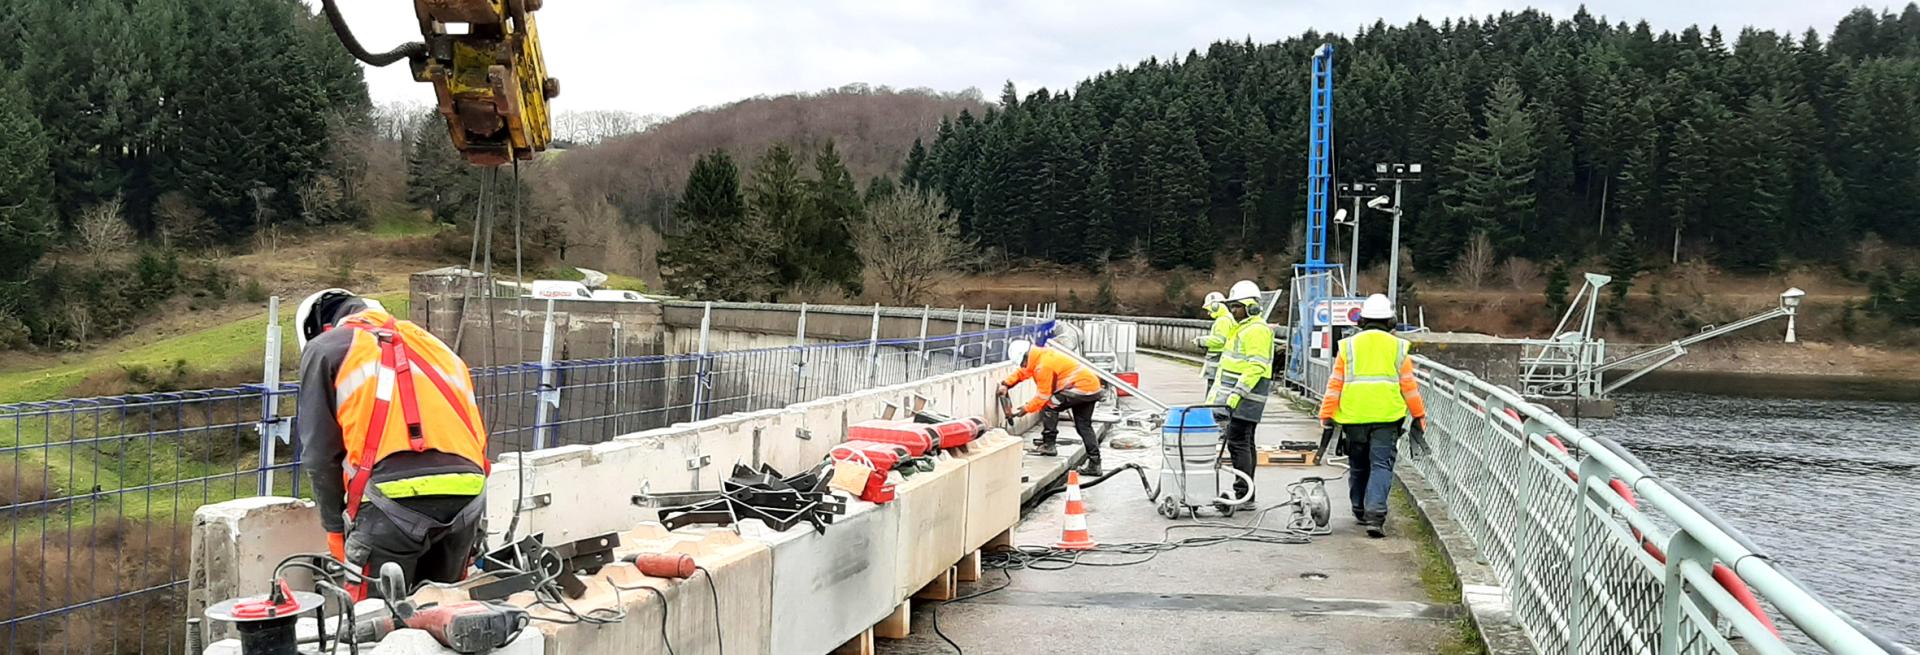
(340, 29)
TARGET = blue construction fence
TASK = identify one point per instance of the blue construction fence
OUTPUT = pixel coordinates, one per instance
(97, 495)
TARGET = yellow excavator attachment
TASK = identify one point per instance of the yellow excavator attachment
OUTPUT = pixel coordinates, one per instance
(483, 59)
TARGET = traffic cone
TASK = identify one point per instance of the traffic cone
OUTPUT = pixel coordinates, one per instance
(1073, 531)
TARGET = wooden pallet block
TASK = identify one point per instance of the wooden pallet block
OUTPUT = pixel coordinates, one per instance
(969, 567)
(860, 645)
(945, 586)
(1271, 456)
(1002, 541)
(897, 625)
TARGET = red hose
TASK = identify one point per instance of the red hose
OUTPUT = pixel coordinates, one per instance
(1721, 573)
(1725, 576)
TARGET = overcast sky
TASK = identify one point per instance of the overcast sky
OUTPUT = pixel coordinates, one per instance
(669, 56)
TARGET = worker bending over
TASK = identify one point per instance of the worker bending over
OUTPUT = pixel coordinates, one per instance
(1216, 339)
(1244, 381)
(392, 439)
(1370, 393)
(1059, 384)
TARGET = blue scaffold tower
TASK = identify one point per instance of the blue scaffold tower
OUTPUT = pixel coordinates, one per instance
(1313, 279)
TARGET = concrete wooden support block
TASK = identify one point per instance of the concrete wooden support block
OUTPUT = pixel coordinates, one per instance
(969, 567)
(1002, 541)
(898, 625)
(933, 517)
(943, 587)
(861, 644)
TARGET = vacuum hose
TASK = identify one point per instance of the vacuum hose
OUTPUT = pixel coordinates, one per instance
(360, 52)
(1058, 487)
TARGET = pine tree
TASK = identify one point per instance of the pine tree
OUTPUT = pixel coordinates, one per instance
(721, 250)
(1558, 280)
(1623, 263)
(1759, 203)
(26, 208)
(879, 188)
(1496, 171)
(823, 241)
(912, 175)
(777, 198)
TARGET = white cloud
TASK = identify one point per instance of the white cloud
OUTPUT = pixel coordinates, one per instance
(669, 56)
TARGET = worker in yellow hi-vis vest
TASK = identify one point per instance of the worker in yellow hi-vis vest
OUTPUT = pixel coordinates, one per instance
(1244, 381)
(1371, 392)
(1216, 338)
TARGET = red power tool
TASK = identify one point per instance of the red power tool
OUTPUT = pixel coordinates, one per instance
(468, 627)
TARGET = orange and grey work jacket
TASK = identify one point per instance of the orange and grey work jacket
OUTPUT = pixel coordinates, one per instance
(1372, 381)
(1054, 374)
(386, 413)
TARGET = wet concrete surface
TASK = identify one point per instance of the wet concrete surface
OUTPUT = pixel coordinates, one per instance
(1336, 593)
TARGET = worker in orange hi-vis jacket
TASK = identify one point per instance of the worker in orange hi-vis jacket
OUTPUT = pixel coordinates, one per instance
(1060, 384)
(1371, 392)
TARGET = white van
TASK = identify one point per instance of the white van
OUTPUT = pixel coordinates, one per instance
(560, 290)
(621, 295)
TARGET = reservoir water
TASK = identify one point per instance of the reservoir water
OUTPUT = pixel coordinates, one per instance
(1830, 488)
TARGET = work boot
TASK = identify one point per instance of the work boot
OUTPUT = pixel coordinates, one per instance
(1360, 515)
(1046, 450)
(1376, 525)
(1091, 468)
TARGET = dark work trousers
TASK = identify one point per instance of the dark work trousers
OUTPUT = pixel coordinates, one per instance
(1371, 450)
(1239, 436)
(1082, 410)
(433, 540)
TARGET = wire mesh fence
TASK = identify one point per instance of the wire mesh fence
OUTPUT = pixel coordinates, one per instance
(1596, 554)
(97, 495)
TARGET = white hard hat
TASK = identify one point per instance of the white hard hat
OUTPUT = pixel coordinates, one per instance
(1213, 298)
(1244, 290)
(307, 324)
(1017, 351)
(1377, 307)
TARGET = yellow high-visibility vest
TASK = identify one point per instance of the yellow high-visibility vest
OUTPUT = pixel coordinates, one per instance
(1371, 393)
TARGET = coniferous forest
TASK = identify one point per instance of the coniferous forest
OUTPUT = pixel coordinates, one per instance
(1555, 138)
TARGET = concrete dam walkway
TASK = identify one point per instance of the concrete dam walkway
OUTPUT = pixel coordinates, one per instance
(1338, 593)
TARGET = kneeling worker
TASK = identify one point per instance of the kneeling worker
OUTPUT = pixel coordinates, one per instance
(1059, 384)
(392, 438)
(1371, 391)
(1244, 381)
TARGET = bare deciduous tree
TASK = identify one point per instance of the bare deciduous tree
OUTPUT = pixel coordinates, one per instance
(1475, 263)
(911, 243)
(102, 230)
(180, 223)
(1521, 274)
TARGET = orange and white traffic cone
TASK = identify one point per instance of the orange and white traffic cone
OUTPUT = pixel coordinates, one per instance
(1073, 531)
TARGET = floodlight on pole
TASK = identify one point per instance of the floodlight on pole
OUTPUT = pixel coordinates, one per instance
(1380, 202)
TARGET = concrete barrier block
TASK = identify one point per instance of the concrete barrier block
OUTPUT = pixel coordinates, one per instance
(993, 487)
(236, 545)
(829, 587)
(731, 608)
(933, 521)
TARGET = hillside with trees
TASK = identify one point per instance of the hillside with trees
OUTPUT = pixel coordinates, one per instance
(1549, 139)
(643, 173)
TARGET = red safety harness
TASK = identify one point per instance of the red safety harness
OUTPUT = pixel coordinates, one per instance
(397, 363)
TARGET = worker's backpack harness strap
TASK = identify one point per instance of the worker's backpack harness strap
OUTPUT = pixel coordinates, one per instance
(398, 364)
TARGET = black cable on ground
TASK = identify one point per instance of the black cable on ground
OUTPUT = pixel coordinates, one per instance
(935, 609)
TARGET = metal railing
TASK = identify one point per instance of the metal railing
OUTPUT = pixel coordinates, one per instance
(1596, 553)
(97, 495)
